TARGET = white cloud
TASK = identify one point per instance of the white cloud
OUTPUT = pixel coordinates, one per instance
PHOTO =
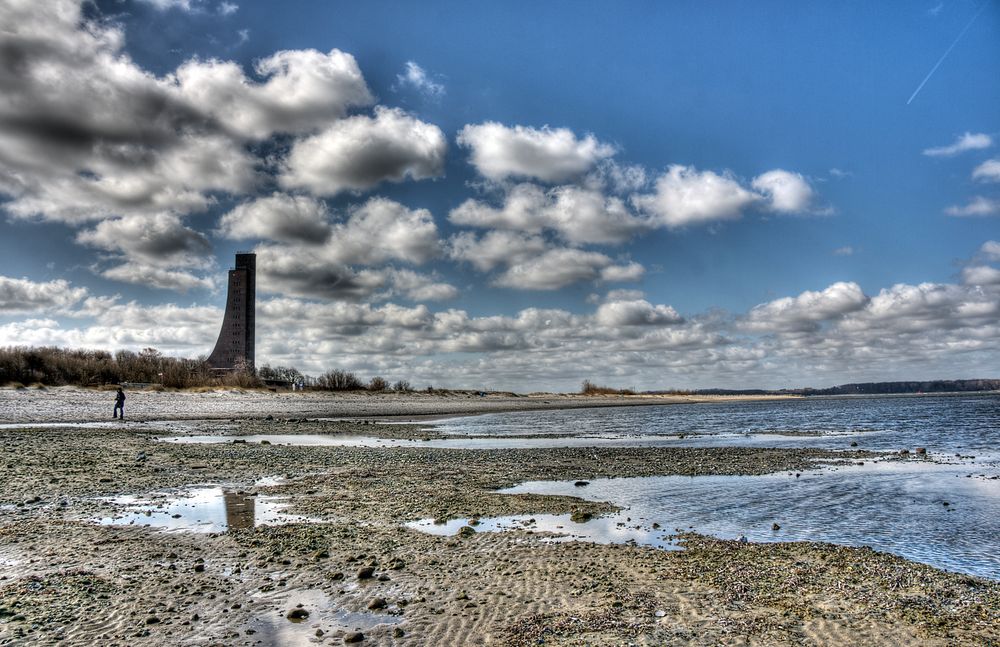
(846, 250)
(639, 312)
(981, 275)
(18, 296)
(160, 239)
(280, 217)
(138, 147)
(988, 171)
(415, 77)
(557, 268)
(785, 191)
(158, 277)
(359, 152)
(420, 287)
(978, 206)
(577, 214)
(547, 154)
(382, 230)
(685, 196)
(228, 8)
(495, 248)
(304, 90)
(965, 142)
(991, 250)
(805, 311)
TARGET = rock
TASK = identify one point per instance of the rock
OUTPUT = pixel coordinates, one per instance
(366, 573)
(152, 620)
(297, 615)
(904, 452)
(377, 603)
(398, 632)
(466, 531)
(580, 517)
(319, 633)
(660, 613)
(336, 576)
(354, 637)
(199, 568)
(922, 451)
(581, 483)
(854, 443)
(775, 526)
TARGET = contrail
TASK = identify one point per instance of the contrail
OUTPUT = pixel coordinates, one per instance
(946, 52)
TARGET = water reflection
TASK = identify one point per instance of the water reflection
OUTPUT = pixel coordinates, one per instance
(201, 509)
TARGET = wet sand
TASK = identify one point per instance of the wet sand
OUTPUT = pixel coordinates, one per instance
(65, 579)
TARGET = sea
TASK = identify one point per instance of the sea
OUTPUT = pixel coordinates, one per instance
(941, 509)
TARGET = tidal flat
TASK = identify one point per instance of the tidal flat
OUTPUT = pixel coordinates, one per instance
(110, 535)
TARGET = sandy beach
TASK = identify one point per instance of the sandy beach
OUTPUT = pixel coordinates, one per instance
(345, 568)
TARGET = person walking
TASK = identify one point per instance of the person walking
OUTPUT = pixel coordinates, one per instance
(119, 404)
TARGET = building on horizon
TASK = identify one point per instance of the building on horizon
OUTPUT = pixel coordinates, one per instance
(235, 346)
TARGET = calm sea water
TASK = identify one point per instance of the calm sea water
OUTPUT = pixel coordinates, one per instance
(944, 511)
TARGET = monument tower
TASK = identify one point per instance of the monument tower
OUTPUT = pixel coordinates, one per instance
(235, 347)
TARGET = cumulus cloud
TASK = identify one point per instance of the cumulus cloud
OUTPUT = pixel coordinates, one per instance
(557, 268)
(415, 77)
(495, 248)
(965, 142)
(306, 272)
(304, 90)
(846, 250)
(20, 296)
(577, 214)
(382, 230)
(359, 152)
(278, 217)
(988, 171)
(981, 275)
(990, 250)
(807, 310)
(548, 154)
(158, 277)
(785, 192)
(684, 195)
(138, 147)
(160, 239)
(978, 206)
(638, 312)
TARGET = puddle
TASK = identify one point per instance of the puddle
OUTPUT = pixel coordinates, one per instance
(611, 529)
(273, 627)
(202, 509)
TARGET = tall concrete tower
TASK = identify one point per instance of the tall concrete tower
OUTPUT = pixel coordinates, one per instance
(235, 347)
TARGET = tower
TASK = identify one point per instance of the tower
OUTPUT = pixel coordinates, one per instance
(235, 347)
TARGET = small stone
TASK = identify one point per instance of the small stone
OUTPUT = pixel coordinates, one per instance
(398, 632)
(580, 517)
(775, 526)
(152, 620)
(354, 637)
(660, 613)
(466, 531)
(581, 483)
(854, 443)
(199, 568)
(922, 451)
(319, 633)
(297, 615)
(377, 603)
(366, 573)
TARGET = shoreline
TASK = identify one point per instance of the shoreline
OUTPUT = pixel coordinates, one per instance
(79, 404)
(67, 580)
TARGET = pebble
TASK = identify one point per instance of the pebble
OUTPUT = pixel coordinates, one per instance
(354, 637)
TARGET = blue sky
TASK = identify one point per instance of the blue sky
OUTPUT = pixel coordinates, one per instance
(512, 195)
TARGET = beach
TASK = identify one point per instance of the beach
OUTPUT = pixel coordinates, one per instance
(316, 544)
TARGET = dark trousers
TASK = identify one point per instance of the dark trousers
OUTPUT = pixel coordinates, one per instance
(119, 406)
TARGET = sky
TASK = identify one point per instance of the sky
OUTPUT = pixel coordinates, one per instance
(515, 195)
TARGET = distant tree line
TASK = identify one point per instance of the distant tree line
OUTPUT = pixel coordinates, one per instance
(52, 366)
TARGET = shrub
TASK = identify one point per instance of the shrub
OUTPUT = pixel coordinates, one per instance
(402, 386)
(377, 384)
(337, 380)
